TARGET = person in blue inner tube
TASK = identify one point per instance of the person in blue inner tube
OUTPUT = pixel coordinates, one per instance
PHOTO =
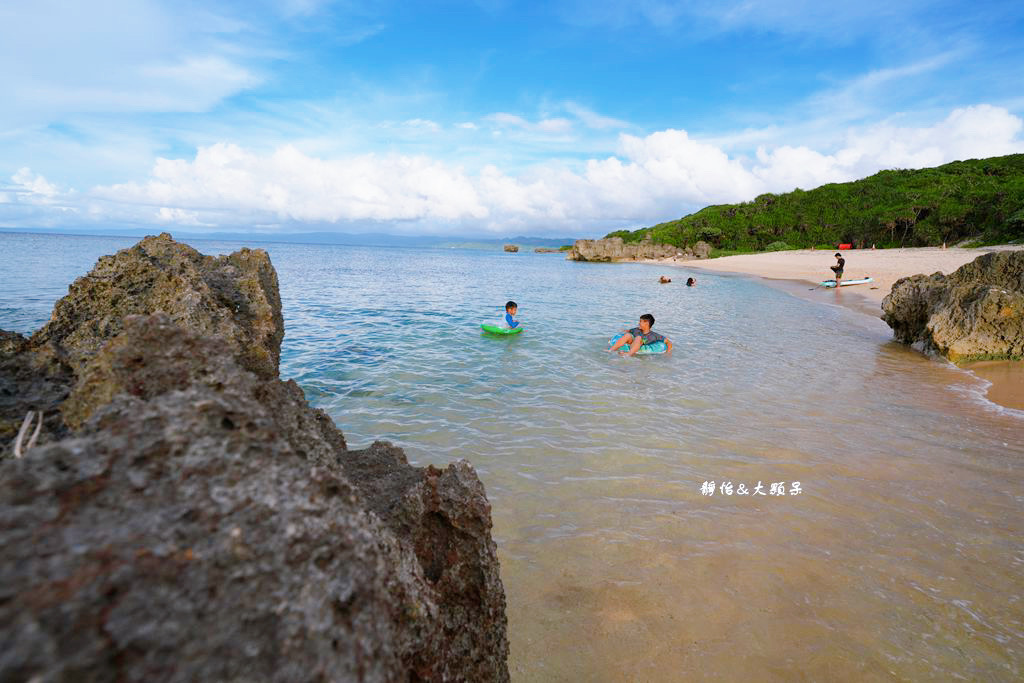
(638, 336)
(508, 321)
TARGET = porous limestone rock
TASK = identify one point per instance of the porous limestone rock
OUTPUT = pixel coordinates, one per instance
(195, 519)
(444, 515)
(234, 297)
(975, 313)
(612, 249)
(36, 381)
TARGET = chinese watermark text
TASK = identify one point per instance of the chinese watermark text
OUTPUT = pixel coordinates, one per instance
(726, 488)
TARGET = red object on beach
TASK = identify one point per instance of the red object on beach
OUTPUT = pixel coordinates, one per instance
(846, 246)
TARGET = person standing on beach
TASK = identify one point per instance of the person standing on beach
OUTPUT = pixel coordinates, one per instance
(838, 268)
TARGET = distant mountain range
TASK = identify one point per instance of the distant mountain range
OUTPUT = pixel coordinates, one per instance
(361, 239)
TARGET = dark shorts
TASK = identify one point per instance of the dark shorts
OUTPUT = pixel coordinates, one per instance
(838, 271)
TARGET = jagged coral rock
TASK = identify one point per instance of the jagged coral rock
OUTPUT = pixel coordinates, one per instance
(183, 539)
(445, 516)
(35, 381)
(975, 313)
(234, 297)
(201, 523)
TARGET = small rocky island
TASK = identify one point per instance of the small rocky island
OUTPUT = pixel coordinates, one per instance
(975, 313)
(170, 509)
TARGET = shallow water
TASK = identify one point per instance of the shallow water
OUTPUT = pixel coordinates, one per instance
(901, 557)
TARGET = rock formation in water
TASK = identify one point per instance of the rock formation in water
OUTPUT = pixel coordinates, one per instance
(613, 249)
(511, 248)
(976, 313)
(186, 515)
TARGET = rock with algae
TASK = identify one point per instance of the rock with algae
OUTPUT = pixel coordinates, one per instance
(975, 313)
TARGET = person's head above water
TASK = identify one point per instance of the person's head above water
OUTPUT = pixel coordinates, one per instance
(512, 307)
(646, 320)
(690, 282)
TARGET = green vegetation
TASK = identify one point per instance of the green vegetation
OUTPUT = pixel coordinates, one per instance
(980, 199)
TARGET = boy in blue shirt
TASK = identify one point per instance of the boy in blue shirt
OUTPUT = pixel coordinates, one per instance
(508, 320)
(638, 336)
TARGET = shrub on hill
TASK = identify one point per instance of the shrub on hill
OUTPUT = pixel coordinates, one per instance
(981, 199)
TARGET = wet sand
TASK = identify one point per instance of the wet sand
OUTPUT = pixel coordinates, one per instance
(1007, 380)
(799, 271)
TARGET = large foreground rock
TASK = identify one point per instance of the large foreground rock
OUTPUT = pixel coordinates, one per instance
(198, 520)
(976, 313)
(612, 249)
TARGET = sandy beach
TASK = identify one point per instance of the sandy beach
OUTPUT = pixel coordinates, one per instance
(885, 266)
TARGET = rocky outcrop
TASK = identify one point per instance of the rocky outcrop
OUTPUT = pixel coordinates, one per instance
(234, 297)
(975, 313)
(511, 248)
(613, 249)
(546, 250)
(188, 516)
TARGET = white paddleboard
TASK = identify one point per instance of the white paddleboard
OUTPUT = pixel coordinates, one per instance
(846, 283)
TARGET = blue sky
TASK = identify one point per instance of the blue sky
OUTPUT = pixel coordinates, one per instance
(486, 117)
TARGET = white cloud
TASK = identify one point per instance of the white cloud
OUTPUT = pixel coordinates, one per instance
(968, 133)
(836, 21)
(33, 185)
(424, 124)
(60, 58)
(650, 179)
(593, 120)
(292, 186)
(551, 126)
(864, 96)
(179, 217)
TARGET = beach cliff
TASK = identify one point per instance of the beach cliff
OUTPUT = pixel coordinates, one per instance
(170, 509)
(613, 249)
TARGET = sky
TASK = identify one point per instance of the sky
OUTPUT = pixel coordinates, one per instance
(481, 117)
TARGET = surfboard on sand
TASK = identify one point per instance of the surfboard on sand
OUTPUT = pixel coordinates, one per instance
(846, 283)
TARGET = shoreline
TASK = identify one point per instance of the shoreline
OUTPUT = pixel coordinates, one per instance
(798, 272)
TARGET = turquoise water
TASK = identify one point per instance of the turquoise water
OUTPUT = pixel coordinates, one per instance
(901, 557)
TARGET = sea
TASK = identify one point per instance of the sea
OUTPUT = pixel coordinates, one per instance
(789, 494)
